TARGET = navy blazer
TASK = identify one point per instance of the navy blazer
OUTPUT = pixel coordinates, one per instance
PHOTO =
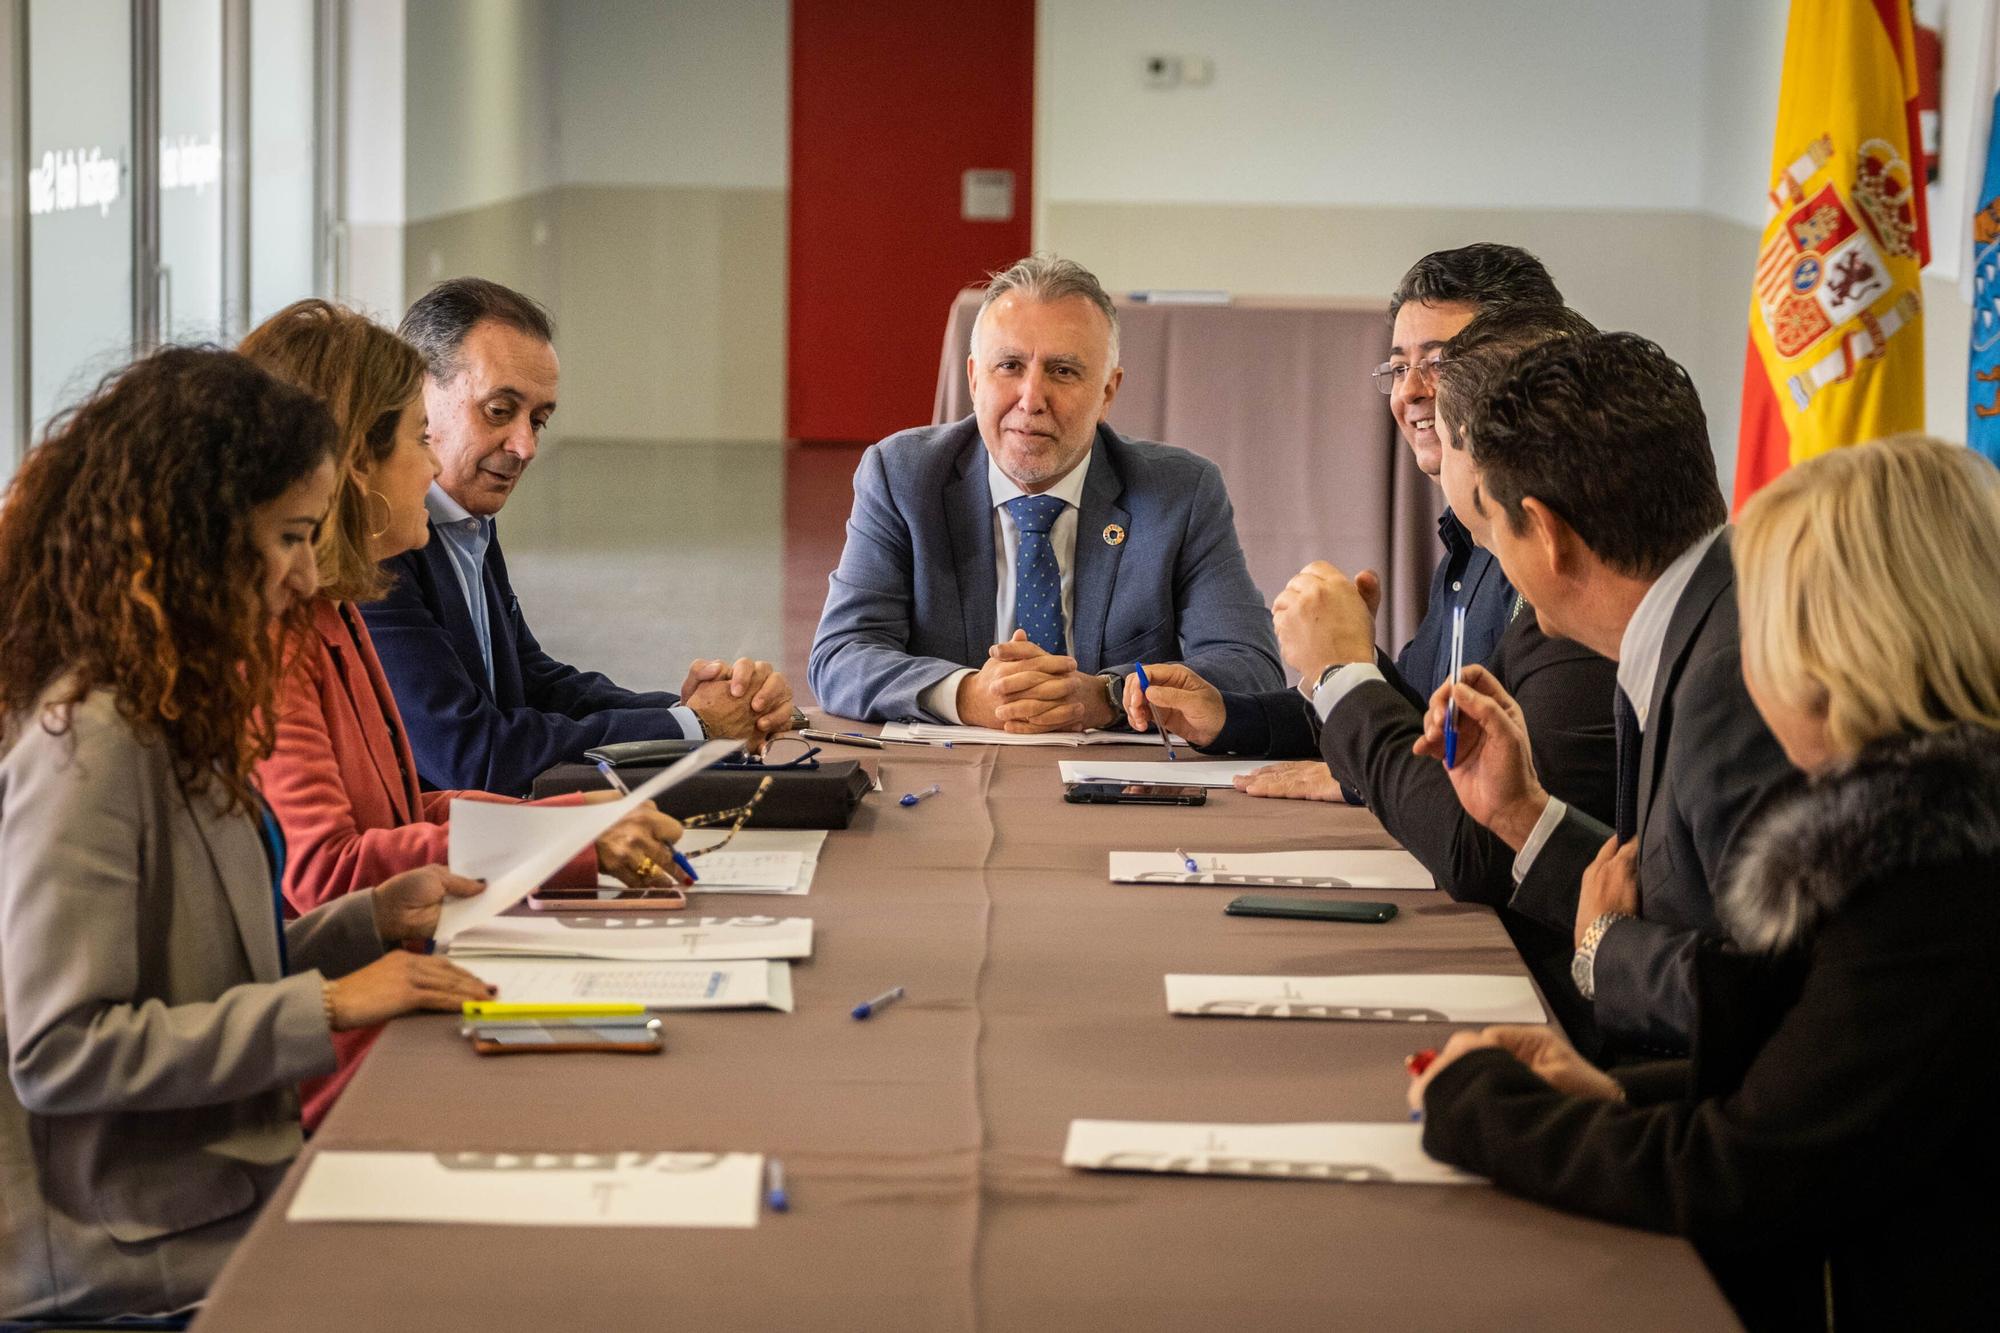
(538, 713)
(912, 599)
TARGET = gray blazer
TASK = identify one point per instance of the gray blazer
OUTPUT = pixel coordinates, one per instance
(912, 599)
(151, 1040)
(1705, 766)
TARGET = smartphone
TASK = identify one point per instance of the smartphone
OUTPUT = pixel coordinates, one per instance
(1132, 793)
(554, 1036)
(1310, 909)
(607, 900)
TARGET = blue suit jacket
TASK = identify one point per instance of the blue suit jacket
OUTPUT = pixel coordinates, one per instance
(912, 599)
(539, 712)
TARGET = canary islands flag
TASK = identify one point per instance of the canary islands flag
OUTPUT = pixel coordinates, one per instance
(1836, 352)
(1982, 402)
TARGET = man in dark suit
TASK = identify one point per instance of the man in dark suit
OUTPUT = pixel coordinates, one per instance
(486, 708)
(1007, 570)
(1435, 301)
(1595, 475)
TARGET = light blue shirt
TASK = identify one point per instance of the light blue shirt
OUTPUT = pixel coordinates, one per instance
(465, 541)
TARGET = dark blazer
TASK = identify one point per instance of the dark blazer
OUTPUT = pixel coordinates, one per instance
(1706, 763)
(151, 1032)
(912, 599)
(1831, 1137)
(1564, 690)
(538, 713)
(1279, 724)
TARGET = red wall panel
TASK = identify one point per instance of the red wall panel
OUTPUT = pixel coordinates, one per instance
(891, 102)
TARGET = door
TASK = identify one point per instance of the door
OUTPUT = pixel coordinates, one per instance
(893, 103)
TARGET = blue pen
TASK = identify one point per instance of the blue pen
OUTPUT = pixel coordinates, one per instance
(774, 1185)
(912, 797)
(611, 776)
(1139, 669)
(882, 1001)
(1457, 670)
(1193, 869)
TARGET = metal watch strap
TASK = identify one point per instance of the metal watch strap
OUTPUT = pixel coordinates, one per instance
(1583, 968)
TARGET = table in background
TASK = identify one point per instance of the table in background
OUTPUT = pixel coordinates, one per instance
(1277, 394)
(923, 1148)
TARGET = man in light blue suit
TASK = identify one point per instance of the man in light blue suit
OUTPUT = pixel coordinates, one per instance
(1008, 570)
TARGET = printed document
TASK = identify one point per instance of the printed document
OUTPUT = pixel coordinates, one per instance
(533, 1189)
(1178, 773)
(1419, 998)
(1377, 1154)
(749, 983)
(1394, 869)
(647, 939)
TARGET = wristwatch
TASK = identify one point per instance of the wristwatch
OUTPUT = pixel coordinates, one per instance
(1114, 690)
(1311, 688)
(1583, 967)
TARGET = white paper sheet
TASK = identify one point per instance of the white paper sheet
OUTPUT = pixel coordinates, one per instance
(651, 939)
(1377, 999)
(1182, 772)
(1378, 1154)
(744, 869)
(515, 848)
(533, 1189)
(1275, 870)
(751, 983)
(937, 731)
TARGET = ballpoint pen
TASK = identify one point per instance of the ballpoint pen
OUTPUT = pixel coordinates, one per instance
(1193, 867)
(910, 798)
(1139, 670)
(611, 776)
(863, 741)
(1457, 670)
(774, 1185)
(882, 1001)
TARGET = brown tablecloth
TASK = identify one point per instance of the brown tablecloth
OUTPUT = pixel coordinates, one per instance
(1277, 393)
(922, 1148)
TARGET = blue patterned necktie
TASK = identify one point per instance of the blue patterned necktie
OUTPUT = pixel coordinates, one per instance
(1037, 576)
(1629, 738)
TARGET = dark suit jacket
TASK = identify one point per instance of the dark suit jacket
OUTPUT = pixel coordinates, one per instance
(1831, 1140)
(1707, 761)
(912, 599)
(1565, 691)
(538, 713)
(1279, 724)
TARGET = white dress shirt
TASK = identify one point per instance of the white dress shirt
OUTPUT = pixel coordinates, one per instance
(1639, 651)
(941, 699)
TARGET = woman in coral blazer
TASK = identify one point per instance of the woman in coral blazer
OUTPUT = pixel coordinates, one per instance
(341, 778)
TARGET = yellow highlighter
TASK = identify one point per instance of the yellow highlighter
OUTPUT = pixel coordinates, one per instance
(502, 1009)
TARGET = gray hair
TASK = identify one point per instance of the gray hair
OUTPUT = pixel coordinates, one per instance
(1046, 277)
(443, 317)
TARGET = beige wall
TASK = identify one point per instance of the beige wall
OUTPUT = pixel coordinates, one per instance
(670, 301)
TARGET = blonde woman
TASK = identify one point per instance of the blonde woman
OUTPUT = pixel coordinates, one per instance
(341, 778)
(1827, 1146)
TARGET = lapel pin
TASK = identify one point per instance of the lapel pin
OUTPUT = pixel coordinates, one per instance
(1113, 535)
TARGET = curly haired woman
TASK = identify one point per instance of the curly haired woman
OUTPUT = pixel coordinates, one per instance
(155, 1013)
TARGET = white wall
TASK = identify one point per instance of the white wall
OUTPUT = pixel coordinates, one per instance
(1457, 103)
(481, 103)
(674, 92)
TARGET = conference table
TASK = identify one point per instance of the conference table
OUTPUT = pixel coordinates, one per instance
(922, 1148)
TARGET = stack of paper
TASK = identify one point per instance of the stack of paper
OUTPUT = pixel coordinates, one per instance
(751, 983)
(934, 732)
(1182, 773)
(647, 939)
(1381, 1154)
(536, 1189)
(1439, 998)
(1275, 870)
(756, 861)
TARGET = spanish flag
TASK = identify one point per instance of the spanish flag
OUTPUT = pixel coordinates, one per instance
(1836, 323)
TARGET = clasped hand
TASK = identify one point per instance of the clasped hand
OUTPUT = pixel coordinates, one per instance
(1541, 1049)
(1324, 618)
(1025, 690)
(747, 700)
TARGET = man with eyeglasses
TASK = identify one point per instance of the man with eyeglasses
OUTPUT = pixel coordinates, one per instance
(1326, 620)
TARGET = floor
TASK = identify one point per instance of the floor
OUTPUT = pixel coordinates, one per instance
(634, 557)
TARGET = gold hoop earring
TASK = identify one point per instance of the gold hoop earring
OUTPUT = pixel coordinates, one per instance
(387, 513)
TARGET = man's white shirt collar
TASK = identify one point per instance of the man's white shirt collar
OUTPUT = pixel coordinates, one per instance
(1646, 633)
(1069, 489)
(442, 508)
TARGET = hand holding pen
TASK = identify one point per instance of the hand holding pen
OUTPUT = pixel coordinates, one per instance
(627, 849)
(1175, 699)
(1493, 769)
(1457, 671)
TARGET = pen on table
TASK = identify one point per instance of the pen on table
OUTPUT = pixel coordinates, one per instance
(1189, 861)
(1144, 684)
(611, 776)
(886, 998)
(555, 1009)
(912, 797)
(1457, 670)
(774, 1185)
(864, 741)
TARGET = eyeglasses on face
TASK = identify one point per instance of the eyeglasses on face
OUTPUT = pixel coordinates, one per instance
(1391, 373)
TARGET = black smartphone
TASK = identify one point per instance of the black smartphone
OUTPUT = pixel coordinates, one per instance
(1310, 909)
(1132, 793)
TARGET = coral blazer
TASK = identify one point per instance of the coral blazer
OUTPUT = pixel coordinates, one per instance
(343, 785)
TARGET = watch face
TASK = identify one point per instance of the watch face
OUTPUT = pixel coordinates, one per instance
(1580, 972)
